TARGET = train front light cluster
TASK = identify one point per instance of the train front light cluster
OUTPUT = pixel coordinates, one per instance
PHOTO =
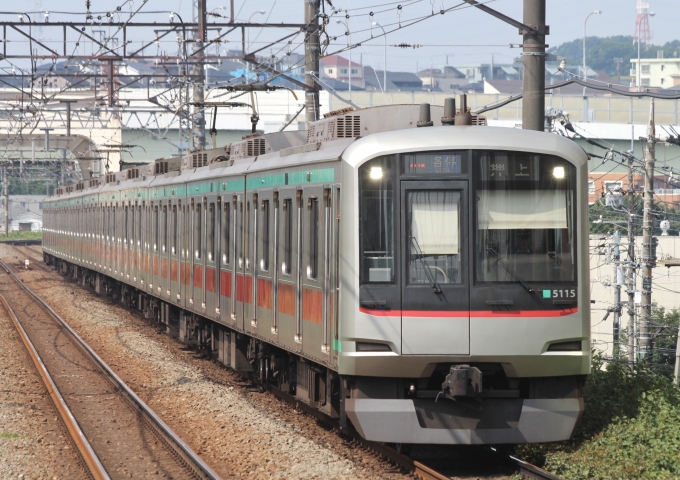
(558, 172)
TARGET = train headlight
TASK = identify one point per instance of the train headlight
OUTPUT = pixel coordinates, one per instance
(558, 172)
(376, 173)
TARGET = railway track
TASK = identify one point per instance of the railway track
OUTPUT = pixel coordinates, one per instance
(34, 257)
(406, 463)
(114, 432)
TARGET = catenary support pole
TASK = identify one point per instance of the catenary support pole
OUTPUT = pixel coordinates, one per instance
(5, 191)
(648, 259)
(198, 116)
(533, 108)
(312, 50)
(631, 264)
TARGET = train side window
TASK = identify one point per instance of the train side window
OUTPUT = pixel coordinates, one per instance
(139, 226)
(125, 226)
(165, 229)
(156, 239)
(226, 230)
(197, 232)
(376, 220)
(287, 236)
(173, 245)
(313, 266)
(132, 225)
(246, 246)
(264, 264)
(211, 233)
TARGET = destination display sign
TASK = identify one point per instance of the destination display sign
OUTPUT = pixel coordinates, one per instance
(442, 163)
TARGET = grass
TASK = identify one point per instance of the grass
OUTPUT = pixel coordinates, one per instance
(15, 235)
(9, 435)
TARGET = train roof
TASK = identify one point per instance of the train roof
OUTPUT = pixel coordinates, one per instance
(354, 135)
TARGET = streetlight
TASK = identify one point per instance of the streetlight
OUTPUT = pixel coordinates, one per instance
(638, 67)
(376, 24)
(260, 12)
(585, 69)
(349, 41)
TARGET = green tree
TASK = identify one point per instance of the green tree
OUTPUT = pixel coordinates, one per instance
(602, 52)
(21, 186)
(604, 219)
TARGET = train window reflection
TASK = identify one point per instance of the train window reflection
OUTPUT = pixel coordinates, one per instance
(525, 218)
(376, 220)
(434, 236)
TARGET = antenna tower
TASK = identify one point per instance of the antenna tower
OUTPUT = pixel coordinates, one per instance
(643, 32)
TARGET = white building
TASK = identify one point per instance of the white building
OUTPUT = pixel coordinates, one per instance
(28, 221)
(657, 72)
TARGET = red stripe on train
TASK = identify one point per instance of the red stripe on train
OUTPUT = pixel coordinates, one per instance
(476, 313)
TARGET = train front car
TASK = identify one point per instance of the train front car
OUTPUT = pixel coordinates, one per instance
(464, 290)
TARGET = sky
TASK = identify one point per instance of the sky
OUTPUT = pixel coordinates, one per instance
(462, 36)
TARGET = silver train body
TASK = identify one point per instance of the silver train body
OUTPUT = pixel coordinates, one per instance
(428, 285)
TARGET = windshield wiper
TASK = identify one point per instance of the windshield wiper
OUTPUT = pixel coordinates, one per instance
(510, 270)
(428, 273)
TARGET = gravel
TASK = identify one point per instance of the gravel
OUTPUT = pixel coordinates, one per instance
(236, 430)
(32, 442)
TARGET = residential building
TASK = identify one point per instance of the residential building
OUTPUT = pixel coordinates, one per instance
(657, 72)
(396, 81)
(337, 68)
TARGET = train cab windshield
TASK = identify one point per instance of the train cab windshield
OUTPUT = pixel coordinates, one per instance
(525, 217)
(514, 212)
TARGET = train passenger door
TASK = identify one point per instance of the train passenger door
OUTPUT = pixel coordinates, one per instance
(435, 269)
(211, 263)
(251, 218)
(165, 251)
(174, 251)
(198, 254)
(240, 261)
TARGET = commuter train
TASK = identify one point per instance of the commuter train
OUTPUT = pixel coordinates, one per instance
(426, 282)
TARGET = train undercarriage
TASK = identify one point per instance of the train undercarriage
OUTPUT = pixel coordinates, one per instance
(374, 405)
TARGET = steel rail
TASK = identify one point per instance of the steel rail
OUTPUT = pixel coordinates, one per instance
(171, 439)
(78, 438)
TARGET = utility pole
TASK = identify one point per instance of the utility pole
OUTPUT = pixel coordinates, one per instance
(618, 280)
(631, 264)
(312, 50)
(648, 249)
(198, 73)
(5, 192)
(533, 108)
(618, 61)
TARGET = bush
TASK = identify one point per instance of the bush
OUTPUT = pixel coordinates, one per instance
(630, 428)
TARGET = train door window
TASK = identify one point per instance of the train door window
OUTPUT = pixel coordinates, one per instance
(133, 225)
(287, 236)
(376, 220)
(264, 263)
(154, 233)
(165, 229)
(246, 249)
(226, 230)
(434, 236)
(313, 266)
(173, 245)
(211, 233)
(139, 226)
(197, 232)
